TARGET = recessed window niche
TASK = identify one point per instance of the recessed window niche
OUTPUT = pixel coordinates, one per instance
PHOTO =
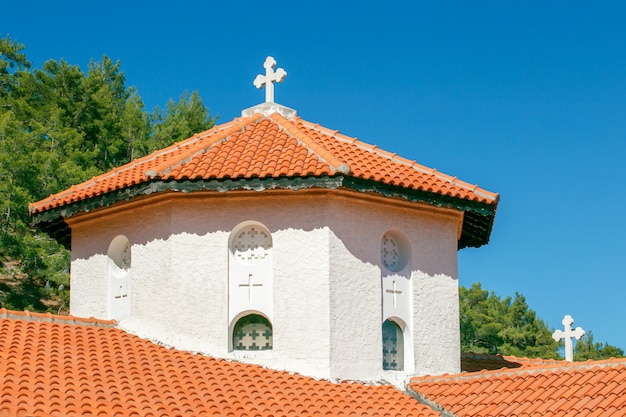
(394, 251)
(393, 346)
(252, 332)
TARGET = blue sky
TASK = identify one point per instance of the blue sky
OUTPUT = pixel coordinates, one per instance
(524, 98)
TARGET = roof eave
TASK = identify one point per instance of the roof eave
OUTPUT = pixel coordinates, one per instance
(477, 221)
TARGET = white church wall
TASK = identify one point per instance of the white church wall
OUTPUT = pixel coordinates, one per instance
(358, 226)
(355, 289)
(327, 313)
(301, 292)
(436, 310)
(147, 230)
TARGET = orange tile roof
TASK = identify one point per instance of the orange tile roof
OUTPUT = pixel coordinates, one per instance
(65, 366)
(536, 388)
(273, 147)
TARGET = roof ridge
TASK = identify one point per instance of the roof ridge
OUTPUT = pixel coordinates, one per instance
(200, 146)
(540, 367)
(54, 318)
(335, 163)
(404, 161)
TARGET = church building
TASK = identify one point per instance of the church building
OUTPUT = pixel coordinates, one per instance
(276, 241)
(273, 267)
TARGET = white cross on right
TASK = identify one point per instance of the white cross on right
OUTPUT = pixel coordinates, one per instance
(567, 335)
(269, 78)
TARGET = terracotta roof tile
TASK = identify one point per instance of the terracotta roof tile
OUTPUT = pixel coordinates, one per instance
(535, 388)
(269, 147)
(63, 365)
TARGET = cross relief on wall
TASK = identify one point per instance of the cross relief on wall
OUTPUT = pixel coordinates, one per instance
(250, 285)
(395, 292)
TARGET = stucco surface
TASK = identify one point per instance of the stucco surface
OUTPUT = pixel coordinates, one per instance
(327, 309)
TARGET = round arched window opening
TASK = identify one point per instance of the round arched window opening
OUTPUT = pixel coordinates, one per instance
(393, 346)
(252, 332)
(251, 245)
(394, 251)
(119, 252)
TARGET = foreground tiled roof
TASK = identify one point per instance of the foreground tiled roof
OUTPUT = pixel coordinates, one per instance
(274, 148)
(536, 388)
(64, 366)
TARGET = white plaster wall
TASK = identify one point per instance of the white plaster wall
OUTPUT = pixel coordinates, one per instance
(301, 292)
(180, 274)
(437, 343)
(356, 344)
(356, 306)
(327, 313)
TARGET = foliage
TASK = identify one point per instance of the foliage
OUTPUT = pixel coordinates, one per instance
(180, 120)
(506, 326)
(490, 324)
(586, 349)
(60, 126)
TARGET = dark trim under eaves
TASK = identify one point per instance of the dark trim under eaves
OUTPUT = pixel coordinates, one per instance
(477, 221)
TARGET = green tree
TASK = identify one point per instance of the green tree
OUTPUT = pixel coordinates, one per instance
(179, 120)
(586, 349)
(60, 126)
(506, 326)
(12, 59)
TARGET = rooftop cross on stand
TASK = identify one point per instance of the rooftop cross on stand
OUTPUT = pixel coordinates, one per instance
(567, 335)
(269, 78)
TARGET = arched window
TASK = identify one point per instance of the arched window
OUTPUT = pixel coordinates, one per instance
(252, 332)
(393, 346)
(119, 275)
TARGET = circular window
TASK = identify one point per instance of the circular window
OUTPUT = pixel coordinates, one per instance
(252, 245)
(389, 252)
(394, 249)
(119, 252)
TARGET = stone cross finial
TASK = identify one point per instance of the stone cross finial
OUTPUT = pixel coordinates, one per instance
(269, 78)
(567, 335)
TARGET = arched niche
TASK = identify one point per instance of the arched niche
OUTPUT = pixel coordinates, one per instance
(250, 270)
(119, 265)
(252, 332)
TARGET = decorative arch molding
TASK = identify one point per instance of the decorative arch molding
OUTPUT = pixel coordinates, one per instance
(250, 270)
(119, 273)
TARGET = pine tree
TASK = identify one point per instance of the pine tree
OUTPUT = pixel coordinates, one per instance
(59, 127)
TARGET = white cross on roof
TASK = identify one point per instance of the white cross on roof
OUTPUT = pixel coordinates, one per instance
(568, 334)
(269, 78)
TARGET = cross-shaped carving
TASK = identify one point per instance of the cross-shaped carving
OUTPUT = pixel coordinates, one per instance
(567, 335)
(269, 78)
(249, 284)
(395, 293)
(123, 293)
